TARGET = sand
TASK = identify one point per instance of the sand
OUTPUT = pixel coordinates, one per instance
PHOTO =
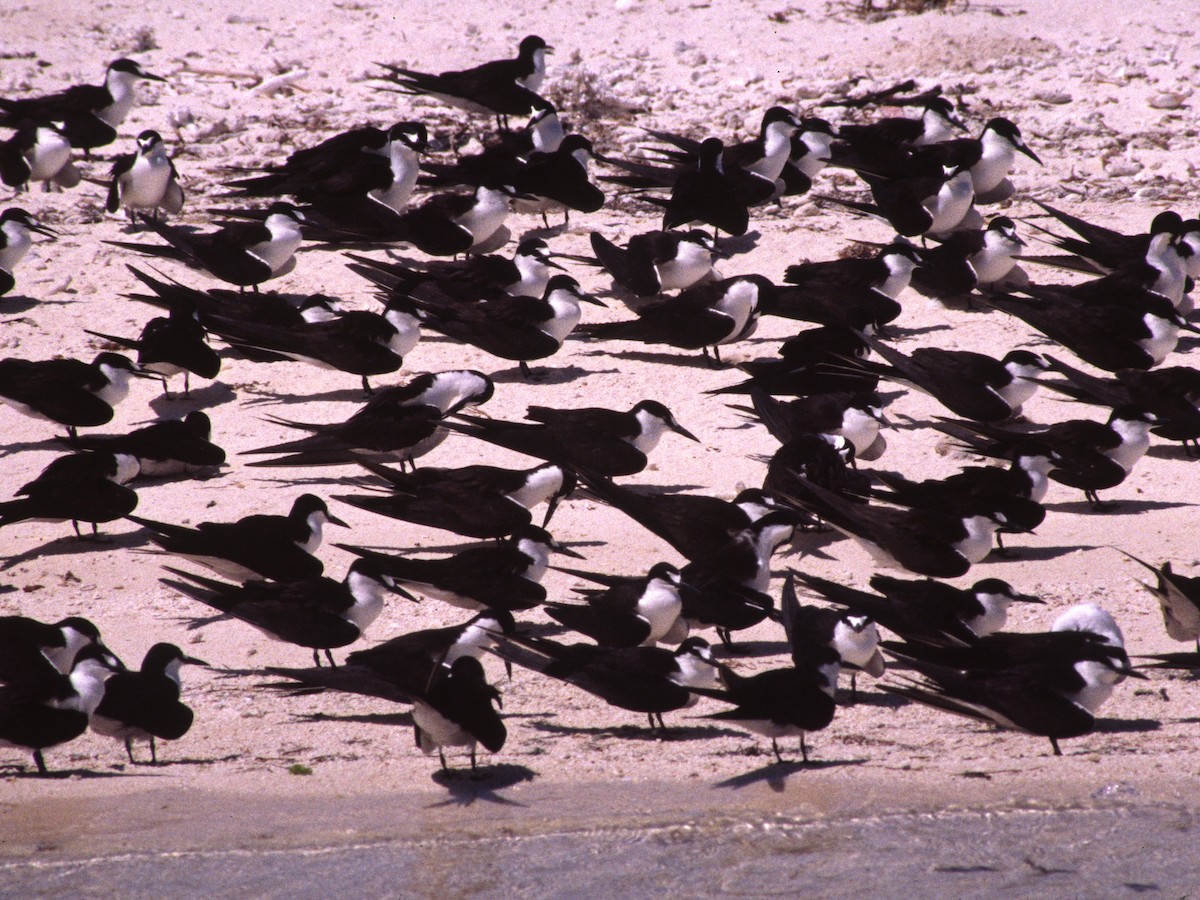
(1101, 93)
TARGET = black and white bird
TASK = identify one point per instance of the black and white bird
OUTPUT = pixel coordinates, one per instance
(972, 385)
(145, 180)
(929, 611)
(697, 318)
(505, 87)
(1092, 456)
(811, 362)
(244, 254)
(630, 611)
(401, 668)
(163, 449)
(468, 280)
(48, 709)
(696, 525)
(797, 699)
(87, 486)
(1178, 596)
(37, 152)
(935, 543)
(856, 417)
(358, 342)
(16, 230)
(657, 261)
(516, 328)
(145, 705)
(936, 124)
(604, 441)
(172, 345)
(1049, 683)
(253, 547)
(29, 647)
(854, 636)
(398, 424)
(382, 165)
(856, 292)
(504, 576)
(1136, 329)
(89, 114)
(318, 613)
(67, 391)
(475, 501)
(929, 197)
(458, 709)
(728, 589)
(970, 259)
(651, 680)
(1171, 393)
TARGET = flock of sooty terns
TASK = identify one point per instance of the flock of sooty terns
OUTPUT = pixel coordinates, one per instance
(817, 397)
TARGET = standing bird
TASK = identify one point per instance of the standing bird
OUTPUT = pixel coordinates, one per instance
(398, 424)
(1179, 598)
(172, 345)
(90, 114)
(144, 705)
(504, 87)
(46, 710)
(37, 152)
(456, 710)
(657, 261)
(244, 254)
(318, 613)
(88, 486)
(145, 180)
(257, 546)
(16, 226)
(163, 449)
(516, 328)
(67, 391)
(603, 441)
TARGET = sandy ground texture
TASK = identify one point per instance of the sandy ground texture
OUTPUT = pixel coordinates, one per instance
(1102, 93)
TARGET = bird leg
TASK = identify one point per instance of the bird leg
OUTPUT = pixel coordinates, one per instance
(442, 757)
(317, 658)
(367, 385)
(329, 656)
(775, 750)
(41, 763)
(803, 748)
(153, 752)
(853, 688)
(472, 757)
(1054, 744)
(129, 750)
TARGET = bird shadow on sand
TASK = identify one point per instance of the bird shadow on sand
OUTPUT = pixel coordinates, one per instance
(905, 333)
(50, 443)
(1127, 726)
(401, 719)
(775, 774)
(1116, 507)
(347, 395)
(13, 305)
(1169, 451)
(70, 545)
(751, 649)
(18, 770)
(638, 732)
(874, 699)
(215, 394)
(691, 359)
(547, 375)
(1024, 554)
(466, 786)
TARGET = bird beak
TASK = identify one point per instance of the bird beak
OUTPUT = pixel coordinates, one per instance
(334, 520)
(679, 429)
(1028, 598)
(1025, 149)
(195, 662)
(549, 262)
(42, 229)
(588, 298)
(550, 509)
(565, 550)
(150, 76)
(1134, 673)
